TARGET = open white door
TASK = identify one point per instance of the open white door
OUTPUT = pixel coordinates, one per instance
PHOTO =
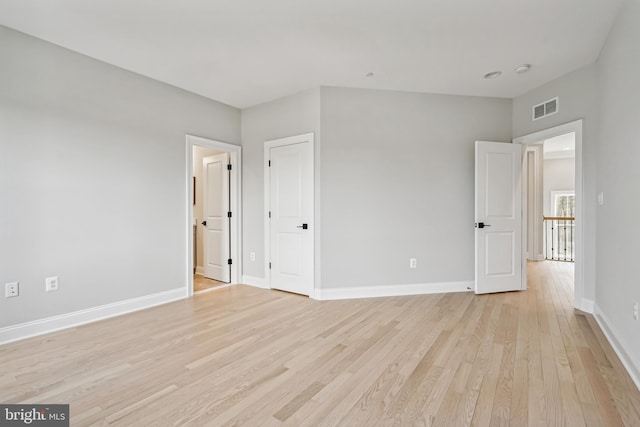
(290, 205)
(498, 211)
(216, 221)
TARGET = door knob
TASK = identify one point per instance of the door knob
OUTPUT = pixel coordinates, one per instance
(204, 223)
(481, 225)
(303, 226)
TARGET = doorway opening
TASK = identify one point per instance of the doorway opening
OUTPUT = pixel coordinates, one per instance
(213, 214)
(552, 202)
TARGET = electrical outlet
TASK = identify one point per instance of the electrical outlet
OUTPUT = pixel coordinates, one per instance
(635, 310)
(252, 256)
(11, 290)
(51, 283)
(413, 263)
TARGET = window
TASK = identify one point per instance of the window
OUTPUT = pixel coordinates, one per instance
(563, 204)
(560, 228)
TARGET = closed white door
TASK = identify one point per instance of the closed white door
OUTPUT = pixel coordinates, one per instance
(290, 204)
(216, 220)
(498, 212)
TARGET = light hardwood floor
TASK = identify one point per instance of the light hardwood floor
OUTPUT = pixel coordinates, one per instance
(201, 283)
(246, 356)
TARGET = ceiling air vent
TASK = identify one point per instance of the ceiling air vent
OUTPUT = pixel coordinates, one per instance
(545, 109)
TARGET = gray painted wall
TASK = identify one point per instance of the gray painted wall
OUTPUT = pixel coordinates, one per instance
(578, 100)
(92, 178)
(294, 115)
(398, 182)
(559, 175)
(618, 249)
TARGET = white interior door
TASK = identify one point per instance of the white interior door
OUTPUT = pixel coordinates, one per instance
(290, 204)
(498, 212)
(216, 222)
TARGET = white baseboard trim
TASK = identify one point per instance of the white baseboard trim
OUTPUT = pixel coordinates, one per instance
(586, 305)
(258, 282)
(392, 290)
(200, 270)
(89, 315)
(632, 366)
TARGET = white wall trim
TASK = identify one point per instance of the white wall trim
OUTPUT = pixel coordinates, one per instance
(392, 290)
(235, 153)
(89, 315)
(536, 137)
(534, 210)
(586, 305)
(257, 282)
(200, 270)
(632, 366)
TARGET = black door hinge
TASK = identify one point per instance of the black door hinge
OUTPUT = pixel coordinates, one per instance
(269, 163)
(269, 214)
(229, 261)
(228, 214)
(229, 167)
(269, 266)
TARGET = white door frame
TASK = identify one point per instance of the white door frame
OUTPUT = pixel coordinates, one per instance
(536, 137)
(268, 145)
(534, 151)
(235, 154)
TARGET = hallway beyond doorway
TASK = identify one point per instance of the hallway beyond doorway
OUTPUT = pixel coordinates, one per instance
(201, 283)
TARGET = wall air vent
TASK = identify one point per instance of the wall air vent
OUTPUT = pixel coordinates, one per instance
(545, 109)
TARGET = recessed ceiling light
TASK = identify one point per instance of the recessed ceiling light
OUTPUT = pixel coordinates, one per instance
(493, 75)
(522, 68)
(369, 74)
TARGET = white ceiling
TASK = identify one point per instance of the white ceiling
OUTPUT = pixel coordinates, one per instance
(560, 147)
(245, 52)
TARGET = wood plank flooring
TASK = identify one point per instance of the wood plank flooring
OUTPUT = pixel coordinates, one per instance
(201, 283)
(246, 356)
